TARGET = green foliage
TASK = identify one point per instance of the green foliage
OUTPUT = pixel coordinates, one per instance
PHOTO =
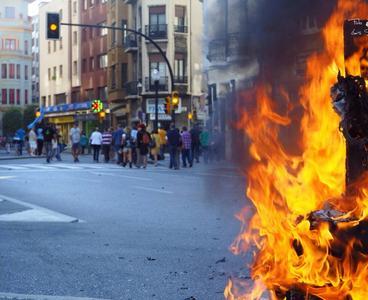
(29, 114)
(12, 121)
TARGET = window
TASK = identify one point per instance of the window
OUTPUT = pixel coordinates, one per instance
(113, 35)
(18, 96)
(49, 47)
(113, 77)
(124, 33)
(84, 34)
(11, 71)
(75, 68)
(54, 73)
(54, 45)
(10, 12)
(49, 73)
(85, 4)
(124, 74)
(157, 21)
(102, 93)
(103, 1)
(26, 72)
(60, 71)
(84, 65)
(180, 16)
(90, 94)
(180, 66)
(18, 71)
(74, 7)
(102, 61)
(103, 31)
(61, 43)
(160, 66)
(26, 47)
(4, 71)
(11, 96)
(4, 96)
(91, 64)
(10, 44)
(25, 96)
(75, 38)
(91, 2)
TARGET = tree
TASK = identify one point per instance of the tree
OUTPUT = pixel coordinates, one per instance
(12, 121)
(29, 114)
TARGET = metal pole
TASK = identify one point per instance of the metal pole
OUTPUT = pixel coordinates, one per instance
(156, 106)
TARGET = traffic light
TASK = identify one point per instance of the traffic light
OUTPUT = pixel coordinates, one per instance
(175, 100)
(167, 105)
(53, 26)
(190, 116)
(37, 113)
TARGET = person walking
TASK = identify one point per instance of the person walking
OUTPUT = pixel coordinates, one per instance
(173, 141)
(135, 154)
(83, 142)
(186, 148)
(126, 145)
(143, 142)
(116, 142)
(40, 138)
(58, 144)
(95, 142)
(19, 140)
(32, 138)
(162, 134)
(205, 144)
(155, 146)
(195, 133)
(106, 144)
(49, 135)
(75, 136)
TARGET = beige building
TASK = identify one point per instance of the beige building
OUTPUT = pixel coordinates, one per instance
(177, 26)
(60, 65)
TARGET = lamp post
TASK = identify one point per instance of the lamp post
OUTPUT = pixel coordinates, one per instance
(139, 94)
(155, 76)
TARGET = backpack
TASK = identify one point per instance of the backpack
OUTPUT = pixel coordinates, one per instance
(145, 138)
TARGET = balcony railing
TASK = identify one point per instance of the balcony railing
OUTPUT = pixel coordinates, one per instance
(181, 79)
(131, 88)
(157, 31)
(181, 28)
(225, 48)
(163, 84)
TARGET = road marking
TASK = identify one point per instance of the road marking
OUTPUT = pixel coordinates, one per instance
(35, 213)
(153, 190)
(12, 167)
(6, 177)
(123, 176)
(12, 296)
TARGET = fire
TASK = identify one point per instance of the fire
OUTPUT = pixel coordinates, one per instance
(285, 188)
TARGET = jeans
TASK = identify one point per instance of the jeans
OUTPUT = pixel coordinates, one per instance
(195, 152)
(39, 147)
(58, 151)
(106, 152)
(173, 150)
(186, 157)
(48, 149)
(96, 152)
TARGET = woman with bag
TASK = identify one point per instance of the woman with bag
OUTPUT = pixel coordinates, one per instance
(126, 145)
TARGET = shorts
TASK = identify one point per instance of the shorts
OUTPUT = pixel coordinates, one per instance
(75, 146)
(126, 150)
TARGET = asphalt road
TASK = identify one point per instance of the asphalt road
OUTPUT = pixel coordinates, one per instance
(102, 231)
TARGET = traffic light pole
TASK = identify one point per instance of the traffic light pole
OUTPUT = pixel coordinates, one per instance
(140, 34)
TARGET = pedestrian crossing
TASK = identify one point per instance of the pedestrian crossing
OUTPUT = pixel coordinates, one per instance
(56, 166)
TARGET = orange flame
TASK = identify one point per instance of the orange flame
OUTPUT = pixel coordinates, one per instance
(285, 187)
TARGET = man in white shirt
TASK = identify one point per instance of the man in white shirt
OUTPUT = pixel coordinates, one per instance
(96, 141)
(75, 136)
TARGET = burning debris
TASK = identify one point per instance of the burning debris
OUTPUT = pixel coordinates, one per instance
(310, 229)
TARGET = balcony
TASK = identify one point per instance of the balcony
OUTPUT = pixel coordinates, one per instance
(131, 88)
(226, 49)
(181, 28)
(130, 43)
(181, 80)
(163, 84)
(157, 31)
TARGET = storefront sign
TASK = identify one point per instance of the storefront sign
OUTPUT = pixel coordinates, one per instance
(62, 120)
(161, 117)
(151, 106)
(68, 107)
(85, 117)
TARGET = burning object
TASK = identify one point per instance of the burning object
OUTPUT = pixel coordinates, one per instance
(309, 230)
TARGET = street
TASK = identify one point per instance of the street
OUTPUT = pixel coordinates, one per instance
(107, 232)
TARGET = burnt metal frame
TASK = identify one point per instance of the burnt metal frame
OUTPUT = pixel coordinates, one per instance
(142, 35)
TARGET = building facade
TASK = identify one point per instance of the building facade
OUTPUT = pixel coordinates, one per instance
(177, 27)
(15, 55)
(35, 60)
(60, 67)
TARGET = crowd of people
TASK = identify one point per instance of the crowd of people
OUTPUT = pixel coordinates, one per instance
(128, 147)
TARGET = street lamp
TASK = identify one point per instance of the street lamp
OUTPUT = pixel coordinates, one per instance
(155, 76)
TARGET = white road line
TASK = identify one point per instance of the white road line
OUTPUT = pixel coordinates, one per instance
(6, 177)
(12, 167)
(122, 176)
(153, 190)
(35, 213)
(12, 296)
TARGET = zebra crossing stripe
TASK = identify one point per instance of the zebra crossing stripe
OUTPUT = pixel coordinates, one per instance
(12, 167)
